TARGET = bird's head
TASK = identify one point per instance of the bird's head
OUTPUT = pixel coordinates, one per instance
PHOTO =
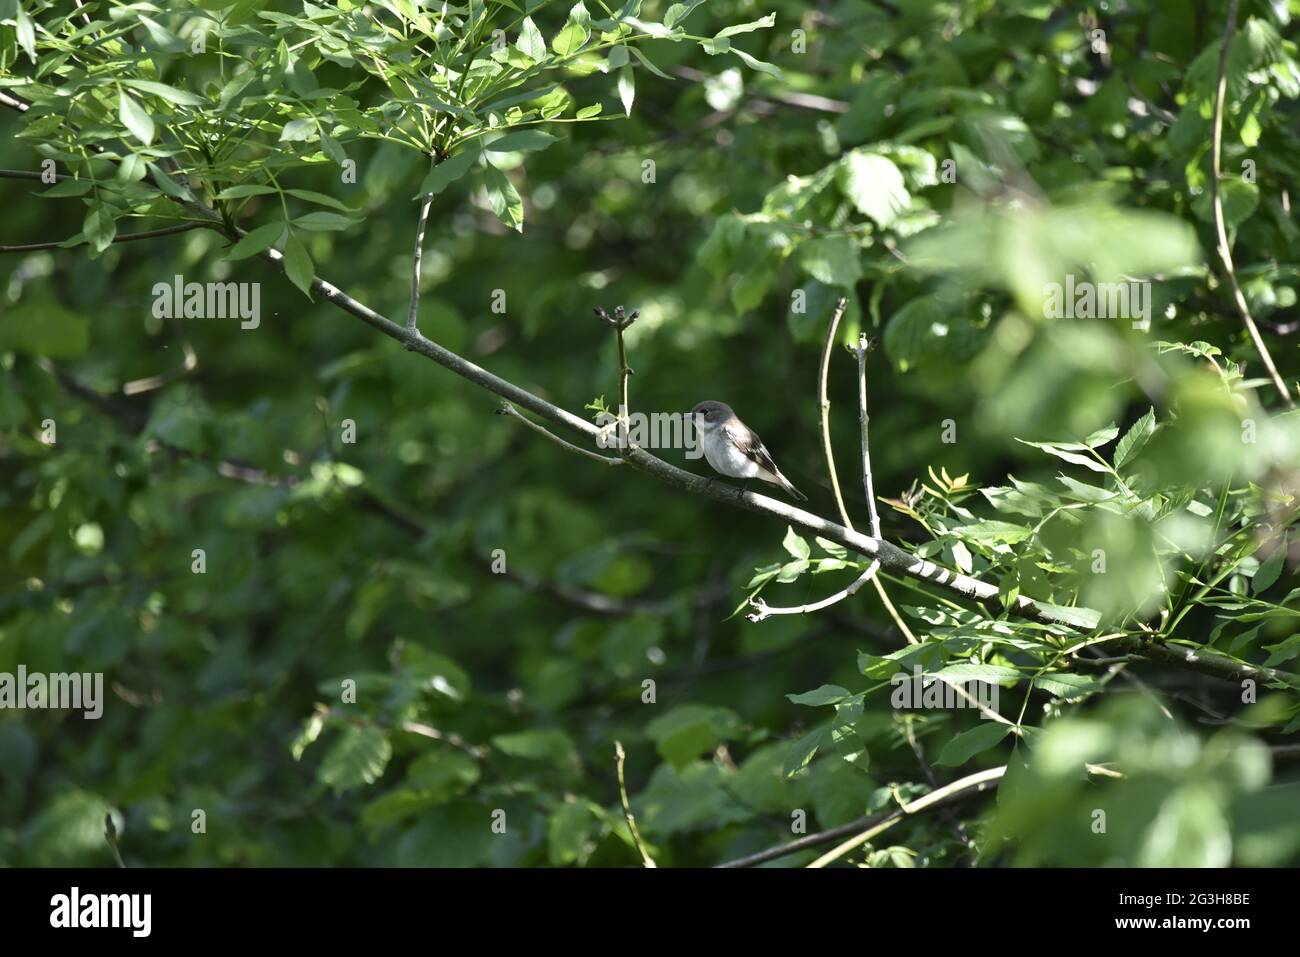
(708, 415)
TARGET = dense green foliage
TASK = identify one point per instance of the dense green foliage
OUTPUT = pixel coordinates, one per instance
(729, 169)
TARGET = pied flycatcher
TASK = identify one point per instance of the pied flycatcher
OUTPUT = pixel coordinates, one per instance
(734, 449)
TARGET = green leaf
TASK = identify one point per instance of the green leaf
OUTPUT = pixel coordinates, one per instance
(320, 199)
(1074, 457)
(970, 743)
(626, 88)
(750, 27)
(545, 744)
(99, 227)
(1101, 437)
(503, 198)
(324, 222)
(299, 130)
(689, 730)
(1135, 439)
(1268, 572)
(805, 749)
(874, 185)
(134, 118)
(993, 532)
(977, 671)
(311, 730)
(1085, 618)
(330, 146)
(1240, 199)
(169, 185)
(522, 141)
(26, 32)
(297, 264)
(358, 757)
(645, 62)
(1283, 651)
(531, 43)
(679, 12)
(576, 32)
(832, 548)
(826, 694)
(792, 570)
(794, 544)
(248, 189)
(572, 831)
(1066, 685)
(443, 774)
(754, 63)
(68, 187)
(833, 260)
(449, 170)
(44, 328)
(263, 237)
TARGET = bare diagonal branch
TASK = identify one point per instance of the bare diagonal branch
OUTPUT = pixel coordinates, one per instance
(1220, 228)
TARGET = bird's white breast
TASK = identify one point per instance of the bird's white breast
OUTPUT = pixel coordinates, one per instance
(721, 453)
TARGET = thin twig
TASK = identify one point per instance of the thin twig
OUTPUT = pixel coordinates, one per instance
(477, 752)
(1225, 251)
(149, 383)
(129, 238)
(425, 203)
(646, 859)
(976, 781)
(824, 406)
(953, 820)
(31, 174)
(508, 409)
(958, 791)
(110, 835)
(761, 608)
(620, 320)
(868, 486)
(865, 345)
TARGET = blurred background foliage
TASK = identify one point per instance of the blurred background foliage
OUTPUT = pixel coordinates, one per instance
(498, 602)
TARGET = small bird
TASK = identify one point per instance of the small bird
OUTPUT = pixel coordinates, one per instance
(734, 449)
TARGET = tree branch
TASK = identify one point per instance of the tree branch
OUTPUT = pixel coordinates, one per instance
(425, 203)
(646, 859)
(824, 407)
(1210, 663)
(872, 823)
(953, 820)
(14, 102)
(762, 609)
(976, 782)
(1225, 251)
(890, 556)
(508, 409)
(620, 321)
(129, 238)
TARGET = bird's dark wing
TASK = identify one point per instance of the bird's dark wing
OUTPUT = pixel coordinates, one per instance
(751, 446)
